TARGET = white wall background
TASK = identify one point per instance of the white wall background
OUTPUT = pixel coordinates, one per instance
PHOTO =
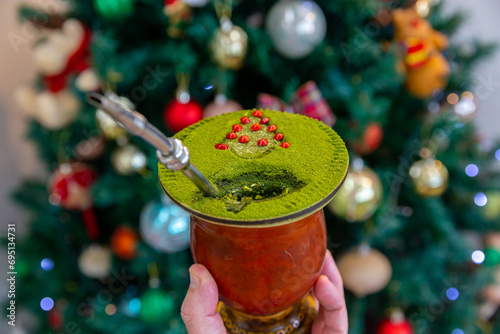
(18, 158)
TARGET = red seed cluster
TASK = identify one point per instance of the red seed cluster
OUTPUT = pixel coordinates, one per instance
(257, 113)
(278, 136)
(243, 139)
(272, 128)
(285, 144)
(237, 128)
(231, 135)
(265, 120)
(245, 120)
(262, 142)
(221, 146)
(255, 127)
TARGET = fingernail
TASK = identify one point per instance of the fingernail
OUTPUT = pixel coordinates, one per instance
(195, 281)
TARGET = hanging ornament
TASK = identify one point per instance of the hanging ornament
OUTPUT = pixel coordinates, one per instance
(426, 68)
(165, 226)
(430, 177)
(128, 159)
(371, 139)
(53, 111)
(296, 27)
(91, 149)
(178, 13)
(396, 323)
(114, 9)
(364, 270)
(466, 108)
(229, 45)
(196, 3)
(360, 196)
(109, 127)
(95, 261)
(124, 242)
(183, 111)
(156, 306)
(69, 187)
(221, 105)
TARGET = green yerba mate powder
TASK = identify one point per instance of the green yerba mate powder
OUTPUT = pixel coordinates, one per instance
(266, 164)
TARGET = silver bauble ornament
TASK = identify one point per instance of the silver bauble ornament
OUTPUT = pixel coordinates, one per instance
(95, 261)
(229, 45)
(296, 27)
(221, 105)
(128, 159)
(165, 226)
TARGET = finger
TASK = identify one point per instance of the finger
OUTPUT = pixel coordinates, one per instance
(198, 310)
(331, 271)
(332, 312)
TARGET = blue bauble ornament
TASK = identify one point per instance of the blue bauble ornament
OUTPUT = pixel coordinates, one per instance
(165, 226)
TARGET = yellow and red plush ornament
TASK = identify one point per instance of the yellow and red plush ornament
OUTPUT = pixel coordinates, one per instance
(69, 187)
(426, 67)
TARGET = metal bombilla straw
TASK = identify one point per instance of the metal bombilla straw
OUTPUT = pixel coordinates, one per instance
(171, 152)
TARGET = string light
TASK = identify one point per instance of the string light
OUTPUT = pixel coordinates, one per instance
(480, 199)
(47, 304)
(471, 170)
(47, 264)
(478, 257)
(452, 98)
(134, 305)
(452, 294)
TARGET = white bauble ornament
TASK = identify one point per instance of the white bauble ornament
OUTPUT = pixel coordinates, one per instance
(56, 110)
(364, 270)
(196, 3)
(95, 261)
(221, 105)
(296, 27)
(88, 81)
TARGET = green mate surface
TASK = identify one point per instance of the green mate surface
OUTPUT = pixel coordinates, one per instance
(259, 182)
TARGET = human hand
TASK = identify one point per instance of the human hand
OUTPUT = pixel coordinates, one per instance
(199, 307)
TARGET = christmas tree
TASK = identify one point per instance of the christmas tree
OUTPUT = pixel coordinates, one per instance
(412, 230)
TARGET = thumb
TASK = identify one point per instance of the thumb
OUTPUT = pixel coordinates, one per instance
(199, 307)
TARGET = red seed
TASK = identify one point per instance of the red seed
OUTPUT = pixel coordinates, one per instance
(265, 120)
(278, 136)
(245, 120)
(243, 139)
(257, 113)
(231, 135)
(221, 146)
(262, 142)
(272, 128)
(255, 127)
(237, 128)
(285, 144)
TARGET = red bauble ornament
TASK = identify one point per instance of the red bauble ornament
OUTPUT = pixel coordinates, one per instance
(371, 139)
(69, 187)
(124, 242)
(178, 115)
(400, 326)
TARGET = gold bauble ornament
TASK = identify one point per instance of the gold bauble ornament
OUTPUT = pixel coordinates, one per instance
(359, 197)
(109, 127)
(229, 45)
(128, 159)
(430, 177)
(364, 270)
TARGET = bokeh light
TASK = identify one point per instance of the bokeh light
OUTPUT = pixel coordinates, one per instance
(471, 170)
(457, 331)
(497, 154)
(452, 98)
(134, 305)
(452, 294)
(47, 304)
(478, 257)
(47, 264)
(480, 199)
(110, 309)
